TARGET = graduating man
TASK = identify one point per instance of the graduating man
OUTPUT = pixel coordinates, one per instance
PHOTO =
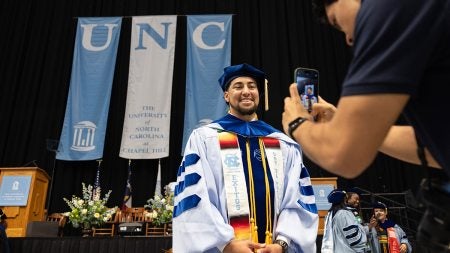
(242, 185)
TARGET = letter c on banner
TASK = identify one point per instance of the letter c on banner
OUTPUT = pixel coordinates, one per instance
(197, 35)
(87, 34)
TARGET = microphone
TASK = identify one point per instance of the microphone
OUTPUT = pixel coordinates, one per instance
(33, 162)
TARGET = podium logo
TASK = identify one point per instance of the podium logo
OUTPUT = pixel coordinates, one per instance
(15, 186)
(321, 193)
(83, 136)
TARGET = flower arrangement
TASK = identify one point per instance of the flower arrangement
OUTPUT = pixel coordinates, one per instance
(160, 208)
(90, 210)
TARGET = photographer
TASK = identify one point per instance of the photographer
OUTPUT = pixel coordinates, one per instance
(401, 62)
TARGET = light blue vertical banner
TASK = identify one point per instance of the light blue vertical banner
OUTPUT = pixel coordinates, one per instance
(94, 60)
(208, 53)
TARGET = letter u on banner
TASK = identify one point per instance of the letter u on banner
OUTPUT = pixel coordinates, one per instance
(94, 59)
(146, 128)
(208, 53)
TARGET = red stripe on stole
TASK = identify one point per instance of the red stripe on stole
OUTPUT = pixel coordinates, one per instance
(271, 142)
(241, 227)
(227, 140)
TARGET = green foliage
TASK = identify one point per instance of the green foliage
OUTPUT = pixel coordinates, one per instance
(90, 210)
(160, 207)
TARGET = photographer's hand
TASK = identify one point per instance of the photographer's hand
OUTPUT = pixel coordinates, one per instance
(323, 111)
(293, 108)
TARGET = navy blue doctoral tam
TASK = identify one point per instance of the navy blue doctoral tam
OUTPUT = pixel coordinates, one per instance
(379, 205)
(232, 72)
(336, 196)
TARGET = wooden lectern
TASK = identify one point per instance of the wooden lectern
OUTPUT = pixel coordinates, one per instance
(33, 207)
(322, 186)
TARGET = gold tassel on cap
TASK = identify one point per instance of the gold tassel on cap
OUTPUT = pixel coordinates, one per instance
(266, 95)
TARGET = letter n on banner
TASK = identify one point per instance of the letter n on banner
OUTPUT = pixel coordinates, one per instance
(208, 53)
(94, 59)
(146, 128)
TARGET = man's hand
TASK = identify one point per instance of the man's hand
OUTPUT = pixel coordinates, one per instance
(403, 248)
(243, 246)
(271, 248)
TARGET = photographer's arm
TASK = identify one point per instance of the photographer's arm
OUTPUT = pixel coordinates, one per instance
(348, 143)
(401, 144)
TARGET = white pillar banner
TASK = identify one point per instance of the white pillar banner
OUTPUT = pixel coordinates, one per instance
(146, 128)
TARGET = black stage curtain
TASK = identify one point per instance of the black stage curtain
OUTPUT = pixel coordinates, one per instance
(36, 50)
(90, 244)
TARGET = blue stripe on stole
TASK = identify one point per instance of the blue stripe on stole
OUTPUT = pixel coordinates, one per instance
(304, 173)
(185, 204)
(189, 180)
(309, 207)
(189, 160)
(307, 190)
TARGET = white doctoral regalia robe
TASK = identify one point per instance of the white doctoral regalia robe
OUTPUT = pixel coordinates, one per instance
(200, 222)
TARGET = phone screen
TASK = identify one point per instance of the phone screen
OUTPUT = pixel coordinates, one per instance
(308, 86)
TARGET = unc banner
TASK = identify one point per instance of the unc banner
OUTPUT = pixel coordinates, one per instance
(146, 128)
(94, 59)
(208, 53)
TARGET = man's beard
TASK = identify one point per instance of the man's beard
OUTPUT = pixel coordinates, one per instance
(245, 111)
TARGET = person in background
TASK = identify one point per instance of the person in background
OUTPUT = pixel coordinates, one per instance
(353, 204)
(4, 243)
(385, 235)
(343, 233)
(242, 185)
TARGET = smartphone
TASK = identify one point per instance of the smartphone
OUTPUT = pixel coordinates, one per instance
(308, 86)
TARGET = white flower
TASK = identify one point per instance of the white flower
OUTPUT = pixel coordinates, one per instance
(80, 202)
(169, 207)
(84, 211)
(91, 203)
(154, 214)
(96, 215)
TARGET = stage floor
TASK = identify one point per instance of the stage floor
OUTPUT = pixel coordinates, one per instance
(116, 244)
